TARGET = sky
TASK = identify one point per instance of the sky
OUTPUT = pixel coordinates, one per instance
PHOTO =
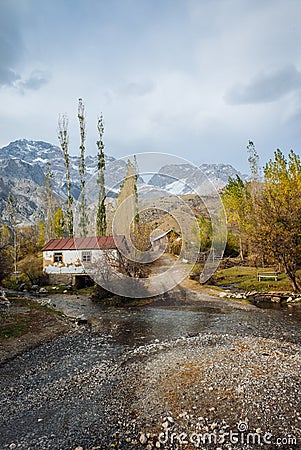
(193, 78)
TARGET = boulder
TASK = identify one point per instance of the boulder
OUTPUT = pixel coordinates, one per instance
(276, 299)
(43, 290)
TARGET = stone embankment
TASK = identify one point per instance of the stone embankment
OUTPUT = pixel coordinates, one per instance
(256, 296)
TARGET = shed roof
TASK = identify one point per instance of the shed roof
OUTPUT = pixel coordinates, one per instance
(86, 243)
(162, 235)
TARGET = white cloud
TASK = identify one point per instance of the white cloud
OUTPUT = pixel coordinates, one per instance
(266, 87)
(159, 75)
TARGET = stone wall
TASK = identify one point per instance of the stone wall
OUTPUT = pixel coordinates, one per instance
(60, 278)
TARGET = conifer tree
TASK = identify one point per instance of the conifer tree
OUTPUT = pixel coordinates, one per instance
(101, 220)
(63, 139)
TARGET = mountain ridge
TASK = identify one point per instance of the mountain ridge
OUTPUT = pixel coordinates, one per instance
(23, 166)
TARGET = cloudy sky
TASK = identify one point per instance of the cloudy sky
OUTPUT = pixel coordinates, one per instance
(196, 78)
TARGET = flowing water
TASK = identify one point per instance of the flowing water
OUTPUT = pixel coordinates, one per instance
(63, 392)
(178, 314)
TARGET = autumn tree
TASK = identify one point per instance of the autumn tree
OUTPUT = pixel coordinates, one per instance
(5, 253)
(238, 204)
(205, 233)
(32, 267)
(83, 216)
(58, 223)
(41, 234)
(126, 222)
(278, 230)
(101, 220)
(63, 139)
(31, 239)
(127, 202)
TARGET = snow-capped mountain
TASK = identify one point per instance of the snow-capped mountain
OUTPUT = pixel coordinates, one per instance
(22, 172)
(38, 153)
(23, 166)
(180, 179)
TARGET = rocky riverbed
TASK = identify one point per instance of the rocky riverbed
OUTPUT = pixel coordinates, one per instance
(186, 372)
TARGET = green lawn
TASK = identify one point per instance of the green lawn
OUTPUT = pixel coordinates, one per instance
(246, 278)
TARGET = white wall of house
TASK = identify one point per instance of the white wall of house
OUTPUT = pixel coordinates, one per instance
(73, 261)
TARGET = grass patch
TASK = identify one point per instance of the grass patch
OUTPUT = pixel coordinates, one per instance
(32, 305)
(25, 316)
(117, 301)
(245, 278)
(14, 326)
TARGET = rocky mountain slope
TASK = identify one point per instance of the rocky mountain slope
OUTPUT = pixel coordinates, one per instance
(22, 172)
(181, 179)
(23, 165)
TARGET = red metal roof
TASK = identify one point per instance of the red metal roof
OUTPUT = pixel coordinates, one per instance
(87, 243)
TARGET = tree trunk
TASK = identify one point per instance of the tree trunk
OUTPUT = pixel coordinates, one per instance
(293, 279)
(241, 253)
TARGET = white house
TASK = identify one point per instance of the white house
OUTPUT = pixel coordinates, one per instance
(65, 259)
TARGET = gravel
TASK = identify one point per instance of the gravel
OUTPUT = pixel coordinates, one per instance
(84, 390)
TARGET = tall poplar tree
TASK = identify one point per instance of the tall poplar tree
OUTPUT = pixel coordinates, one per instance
(49, 202)
(83, 219)
(127, 223)
(127, 201)
(238, 204)
(253, 159)
(101, 220)
(63, 139)
(13, 225)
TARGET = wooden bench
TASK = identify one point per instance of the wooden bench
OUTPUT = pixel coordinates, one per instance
(267, 276)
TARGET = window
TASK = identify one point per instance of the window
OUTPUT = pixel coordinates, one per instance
(58, 257)
(86, 256)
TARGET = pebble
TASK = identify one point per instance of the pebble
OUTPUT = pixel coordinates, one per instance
(86, 387)
(143, 438)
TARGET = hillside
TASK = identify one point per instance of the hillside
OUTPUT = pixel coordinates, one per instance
(23, 165)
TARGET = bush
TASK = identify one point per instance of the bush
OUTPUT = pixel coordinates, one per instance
(196, 271)
(32, 267)
(5, 264)
(232, 246)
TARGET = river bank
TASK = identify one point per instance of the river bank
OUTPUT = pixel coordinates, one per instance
(188, 363)
(26, 325)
